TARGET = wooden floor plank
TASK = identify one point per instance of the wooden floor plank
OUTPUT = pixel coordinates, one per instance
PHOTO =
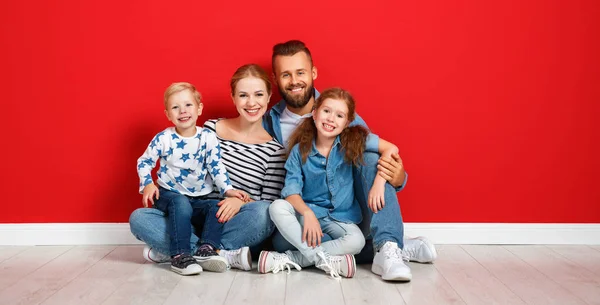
(7, 252)
(97, 283)
(368, 288)
(428, 287)
(17, 267)
(473, 283)
(578, 280)
(206, 288)
(254, 288)
(151, 284)
(48, 279)
(312, 286)
(583, 256)
(527, 282)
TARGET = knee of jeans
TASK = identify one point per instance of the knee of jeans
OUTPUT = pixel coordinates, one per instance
(278, 207)
(260, 211)
(356, 242)
(137, 219)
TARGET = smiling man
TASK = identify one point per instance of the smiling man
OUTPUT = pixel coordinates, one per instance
(294, 75)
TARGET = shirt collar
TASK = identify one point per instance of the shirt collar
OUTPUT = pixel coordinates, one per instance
(314, 151)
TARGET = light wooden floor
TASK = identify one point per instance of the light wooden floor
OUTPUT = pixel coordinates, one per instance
(461, 275)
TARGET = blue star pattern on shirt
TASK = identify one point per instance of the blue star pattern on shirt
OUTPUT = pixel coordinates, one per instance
(149, 162)
(185, 157)
(141, 165)
(215, 171)
(152, 144)
(171, 184)
(192, 189)
(174, 136)
(181, 144)
(179, 179)
(201, 177)
(148, 179)
(214, 163)
(163, 169)
(170, 151)
(196, 155)
(184, 172)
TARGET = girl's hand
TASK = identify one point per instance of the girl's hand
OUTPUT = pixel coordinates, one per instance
(311, 233)
(376, 196)
(238, 194)
(392, 169)
(228, 207)
(150, 191)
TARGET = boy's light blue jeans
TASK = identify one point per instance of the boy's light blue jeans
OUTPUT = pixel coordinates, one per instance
(346, 238)
(249, 227)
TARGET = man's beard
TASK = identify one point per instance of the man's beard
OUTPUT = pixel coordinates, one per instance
(295, 101)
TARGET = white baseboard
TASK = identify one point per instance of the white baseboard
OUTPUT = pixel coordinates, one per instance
(439, 233)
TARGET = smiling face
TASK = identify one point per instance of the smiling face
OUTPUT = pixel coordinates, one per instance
(183, 110)
(331, 118)
(294, 76)
(251, 98)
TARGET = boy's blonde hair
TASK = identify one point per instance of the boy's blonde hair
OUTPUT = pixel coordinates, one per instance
(178, 87)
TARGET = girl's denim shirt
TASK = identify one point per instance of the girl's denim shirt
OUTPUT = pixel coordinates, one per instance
(325, 184)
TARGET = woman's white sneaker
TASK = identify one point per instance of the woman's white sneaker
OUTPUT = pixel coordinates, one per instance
(240, 258)
(389, 264)
(153, 256)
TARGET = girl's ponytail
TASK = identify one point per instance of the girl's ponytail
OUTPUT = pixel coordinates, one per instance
(353, 141)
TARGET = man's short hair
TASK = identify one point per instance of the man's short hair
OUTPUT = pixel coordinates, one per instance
(290, 48)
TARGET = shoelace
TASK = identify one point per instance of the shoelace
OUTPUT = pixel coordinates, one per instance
(395, 254)
(327, 264)
(406, 254)
(282, 262)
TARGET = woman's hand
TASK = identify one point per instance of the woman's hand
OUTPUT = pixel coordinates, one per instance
(238, 194)
(392, 169)
(311, 233)
(376, 195)
(228, 207)
(150, 191)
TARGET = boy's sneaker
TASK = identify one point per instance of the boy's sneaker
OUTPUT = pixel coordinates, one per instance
(185, 264)
(419, 249)
(153, 256)
(210, 260)
(271, 261)
(337, 265)
(389, 263)
(240, 258)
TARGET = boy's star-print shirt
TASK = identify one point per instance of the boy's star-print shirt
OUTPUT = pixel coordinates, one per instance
(188, 165)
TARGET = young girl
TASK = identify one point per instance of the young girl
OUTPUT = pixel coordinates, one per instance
(319, 193)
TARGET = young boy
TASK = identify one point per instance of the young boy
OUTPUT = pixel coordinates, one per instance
(190, 159)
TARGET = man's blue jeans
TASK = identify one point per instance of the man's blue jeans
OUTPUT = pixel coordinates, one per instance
(249, 227)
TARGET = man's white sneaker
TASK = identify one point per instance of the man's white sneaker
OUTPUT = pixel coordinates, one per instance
(388, 263)
(271, 261)
(337, 265)
(419, 249)
(155, 257)
(240, 258)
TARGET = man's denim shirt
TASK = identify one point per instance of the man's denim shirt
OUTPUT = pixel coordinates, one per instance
(325, 184)
(272, 124)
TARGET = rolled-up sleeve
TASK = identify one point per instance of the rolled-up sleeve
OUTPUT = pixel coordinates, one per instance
(293, 178)
(372, 143)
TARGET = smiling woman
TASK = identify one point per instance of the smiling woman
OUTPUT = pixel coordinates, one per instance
(241, 139)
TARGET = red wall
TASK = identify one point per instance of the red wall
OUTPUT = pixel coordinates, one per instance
(494, 106)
